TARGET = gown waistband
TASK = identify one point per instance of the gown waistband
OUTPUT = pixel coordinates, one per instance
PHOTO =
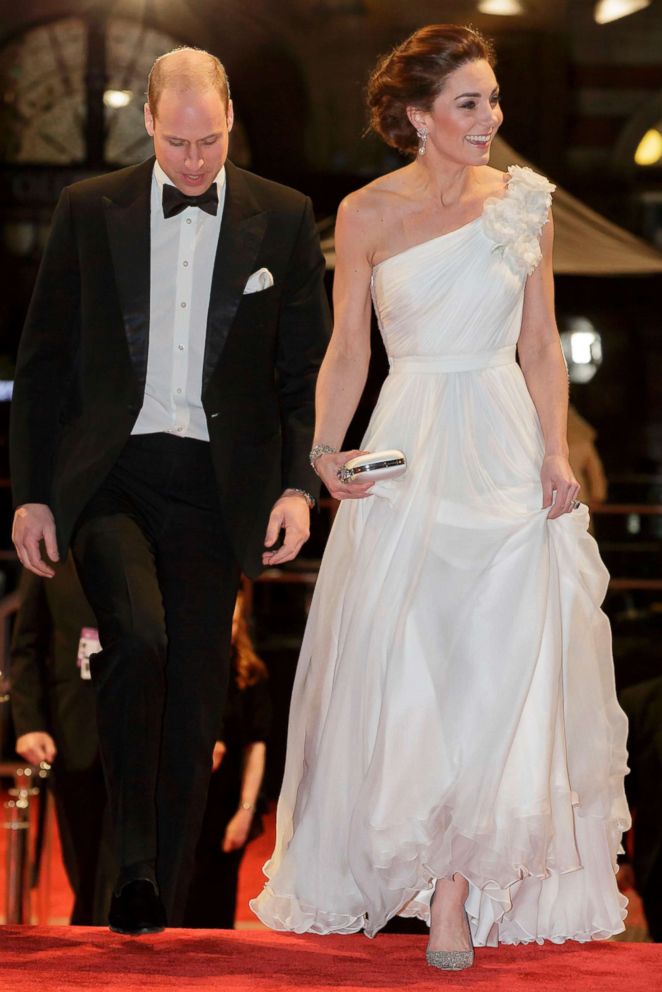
(439, 364)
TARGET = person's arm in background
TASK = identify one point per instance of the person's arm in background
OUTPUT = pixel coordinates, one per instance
(31, 644)
(217, 755)
(257, 710)
(238, 829)
(595, 476)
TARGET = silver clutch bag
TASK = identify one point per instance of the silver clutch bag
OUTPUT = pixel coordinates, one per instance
(374, 466)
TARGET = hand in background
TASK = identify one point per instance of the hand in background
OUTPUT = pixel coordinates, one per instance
(36, 747)
(217, 755)
(237, 830)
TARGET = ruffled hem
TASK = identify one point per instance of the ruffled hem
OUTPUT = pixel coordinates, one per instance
(486, 908)
(286, 913)
(518, 903)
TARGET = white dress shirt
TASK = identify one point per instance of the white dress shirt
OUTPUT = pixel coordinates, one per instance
(183, 250)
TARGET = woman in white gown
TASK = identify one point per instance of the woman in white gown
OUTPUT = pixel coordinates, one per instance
(455, 741)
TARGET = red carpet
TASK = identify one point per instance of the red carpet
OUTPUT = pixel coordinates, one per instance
(73, 959)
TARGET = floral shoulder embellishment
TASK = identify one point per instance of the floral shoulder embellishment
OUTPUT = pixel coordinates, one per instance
(514, 221)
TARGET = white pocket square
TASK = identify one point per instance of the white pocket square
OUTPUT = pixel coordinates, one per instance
(262, 279)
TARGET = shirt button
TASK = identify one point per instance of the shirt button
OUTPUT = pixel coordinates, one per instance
(180, 429)
(180, 347)
(188, 220)
(185, 264)
(179, 390)
(183, 306)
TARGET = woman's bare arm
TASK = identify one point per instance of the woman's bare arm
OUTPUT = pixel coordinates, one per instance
(546, 375)
(344, 370)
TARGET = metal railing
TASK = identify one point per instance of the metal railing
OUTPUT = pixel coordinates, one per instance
(22, 863)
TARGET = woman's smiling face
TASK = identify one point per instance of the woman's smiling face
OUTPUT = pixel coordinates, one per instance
(465, 115)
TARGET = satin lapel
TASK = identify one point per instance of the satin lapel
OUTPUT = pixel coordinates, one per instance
(242, 230)
(128, 224)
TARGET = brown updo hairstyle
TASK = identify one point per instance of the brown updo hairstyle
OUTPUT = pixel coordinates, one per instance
(413, 75)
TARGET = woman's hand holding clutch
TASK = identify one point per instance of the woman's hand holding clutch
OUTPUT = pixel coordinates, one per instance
(328, 466)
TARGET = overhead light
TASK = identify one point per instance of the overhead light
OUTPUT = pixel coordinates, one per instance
(649, 149)
(503, 8)
(582, 347)
(612, 10)
(581, 343)
(117, 98)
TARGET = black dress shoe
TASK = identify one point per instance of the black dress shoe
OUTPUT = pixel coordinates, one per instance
(137, 909)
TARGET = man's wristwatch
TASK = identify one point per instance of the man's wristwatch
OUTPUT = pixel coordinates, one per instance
(310, 500)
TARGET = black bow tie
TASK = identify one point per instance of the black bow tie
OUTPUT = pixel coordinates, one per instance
(174, 201)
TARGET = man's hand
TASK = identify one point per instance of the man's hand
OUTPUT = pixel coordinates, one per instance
(291, 513)
(237, 830)
(36, 747)
(33, 522)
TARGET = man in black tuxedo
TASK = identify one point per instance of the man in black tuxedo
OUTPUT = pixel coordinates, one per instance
(161, 419)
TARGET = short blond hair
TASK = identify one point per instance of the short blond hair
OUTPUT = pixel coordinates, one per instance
(186, 69)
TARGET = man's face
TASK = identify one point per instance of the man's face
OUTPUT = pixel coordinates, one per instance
(190, 132)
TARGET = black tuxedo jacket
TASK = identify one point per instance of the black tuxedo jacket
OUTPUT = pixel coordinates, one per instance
(82, 361)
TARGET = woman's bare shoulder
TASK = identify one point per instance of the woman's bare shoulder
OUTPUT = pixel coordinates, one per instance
(372, 203)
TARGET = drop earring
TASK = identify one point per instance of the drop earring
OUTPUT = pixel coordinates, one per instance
(422, 140)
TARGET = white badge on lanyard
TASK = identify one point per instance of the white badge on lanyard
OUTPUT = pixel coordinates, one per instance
(89, 644)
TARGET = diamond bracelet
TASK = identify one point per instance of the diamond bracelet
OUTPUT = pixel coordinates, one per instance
(320, 449)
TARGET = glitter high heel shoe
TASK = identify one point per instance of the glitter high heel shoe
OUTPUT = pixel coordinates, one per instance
(452, 960)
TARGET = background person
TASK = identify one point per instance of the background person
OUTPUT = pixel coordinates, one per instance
(54, 715)
(584, 458)
(232, 815)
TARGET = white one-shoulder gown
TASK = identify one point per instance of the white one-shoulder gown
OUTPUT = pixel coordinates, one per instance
(454, 706)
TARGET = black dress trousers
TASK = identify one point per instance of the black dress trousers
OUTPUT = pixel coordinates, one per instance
(156, 565)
